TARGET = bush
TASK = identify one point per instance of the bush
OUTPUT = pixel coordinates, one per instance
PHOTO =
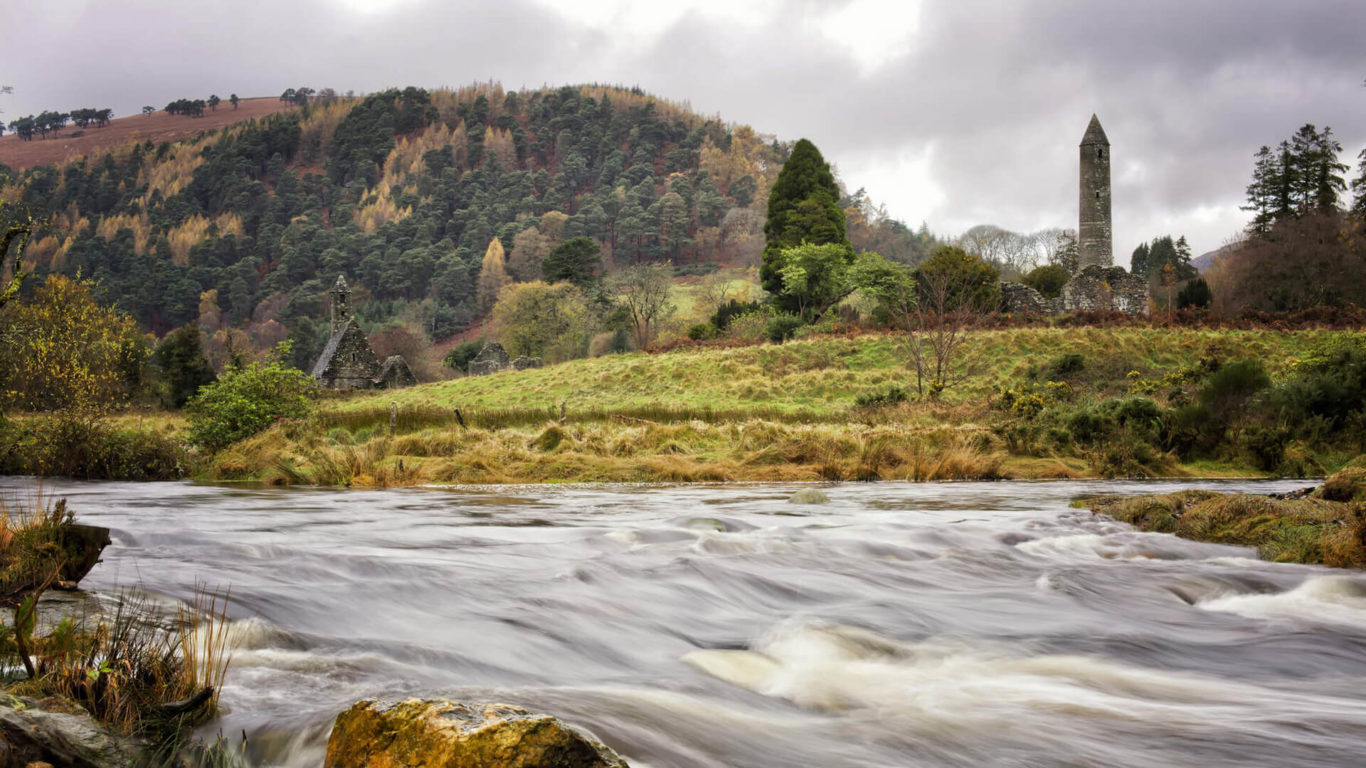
(461, 354)
(1328, 388)
(1195, 294)
(782, 327)
(703, 332)
(731, 310)
(880, 399)
(1061, 366)
(247, 400)
(1229, 388)
(1048, 280)
(67, 444)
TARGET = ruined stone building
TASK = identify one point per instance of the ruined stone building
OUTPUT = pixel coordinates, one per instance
(348, 361)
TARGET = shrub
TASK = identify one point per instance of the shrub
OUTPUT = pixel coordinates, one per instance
(461, 354)
(1329, 387)
(247, 400)
(880, 399)
(731, 310)
(703, 332)
(1061, 366)
(1195, 294)
(1048, 280)
(1229, 388)
(781, 327)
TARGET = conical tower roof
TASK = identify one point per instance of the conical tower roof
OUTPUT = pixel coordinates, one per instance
(340, 286)
(1094, 133)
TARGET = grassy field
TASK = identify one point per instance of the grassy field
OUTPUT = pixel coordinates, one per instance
(769, 412)
(825, 375)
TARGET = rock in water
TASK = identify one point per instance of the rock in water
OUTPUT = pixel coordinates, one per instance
(31, 735)
(433, 733)
(808, 496)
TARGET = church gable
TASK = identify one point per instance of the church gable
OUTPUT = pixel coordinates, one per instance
(347, 361)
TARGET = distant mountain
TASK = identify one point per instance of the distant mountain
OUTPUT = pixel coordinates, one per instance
(1206, 260)
(244, 227)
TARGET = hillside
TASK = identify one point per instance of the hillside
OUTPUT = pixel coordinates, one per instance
(157, 127)
(242, 229)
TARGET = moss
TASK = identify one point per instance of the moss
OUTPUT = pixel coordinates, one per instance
(1313, 531)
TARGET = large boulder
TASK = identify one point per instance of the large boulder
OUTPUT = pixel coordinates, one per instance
(31, 735)
(434, 733)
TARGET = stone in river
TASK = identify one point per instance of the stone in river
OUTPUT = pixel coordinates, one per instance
(434, 733)
(809, 496)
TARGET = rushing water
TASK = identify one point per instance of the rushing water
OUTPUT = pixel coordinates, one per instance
(898, 625)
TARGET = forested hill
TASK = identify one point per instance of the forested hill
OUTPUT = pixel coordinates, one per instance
(403, 191)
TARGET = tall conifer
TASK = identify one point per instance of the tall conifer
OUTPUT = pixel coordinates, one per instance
(803, 207)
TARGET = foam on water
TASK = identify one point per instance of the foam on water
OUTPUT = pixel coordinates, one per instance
(1325, 600)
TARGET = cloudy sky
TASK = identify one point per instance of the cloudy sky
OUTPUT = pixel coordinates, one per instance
(952, 112)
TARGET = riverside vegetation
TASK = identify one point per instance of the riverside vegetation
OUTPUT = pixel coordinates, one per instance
(1034, 403)
(139, 679)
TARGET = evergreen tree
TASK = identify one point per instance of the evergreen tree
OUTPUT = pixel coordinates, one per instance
(492, 277)
(1359, 189)
(576, 261)
(1138, 262)
(184, 368)
(803, 207)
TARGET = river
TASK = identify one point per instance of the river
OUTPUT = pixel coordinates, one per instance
(962, 624)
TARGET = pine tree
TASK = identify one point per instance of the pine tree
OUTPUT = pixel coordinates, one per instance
(1138, 262)
(803, 207)
(1359, 188)
(492, 276)
(1261, 193)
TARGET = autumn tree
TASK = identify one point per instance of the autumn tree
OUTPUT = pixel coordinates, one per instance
(642, 292)
(64, 351)
(803, 207)
(493, 277)
(539, 319)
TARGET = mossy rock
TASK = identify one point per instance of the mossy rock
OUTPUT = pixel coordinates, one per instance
(434, 733)
(809, 496)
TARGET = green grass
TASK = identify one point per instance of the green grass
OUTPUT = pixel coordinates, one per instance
(824, 375)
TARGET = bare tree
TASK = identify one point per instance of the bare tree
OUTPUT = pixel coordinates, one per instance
(939, 324)
(1010, 252)
(643, 292)
(14, 238)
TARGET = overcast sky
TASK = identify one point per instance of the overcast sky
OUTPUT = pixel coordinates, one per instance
(952, 112)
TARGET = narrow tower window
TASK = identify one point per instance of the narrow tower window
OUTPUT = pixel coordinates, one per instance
(1100, 153)
(1097, 194)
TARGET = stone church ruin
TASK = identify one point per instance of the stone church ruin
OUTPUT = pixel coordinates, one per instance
(348, 361)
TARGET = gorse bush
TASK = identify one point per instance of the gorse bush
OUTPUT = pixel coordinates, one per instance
(880, 399)
(248, 399)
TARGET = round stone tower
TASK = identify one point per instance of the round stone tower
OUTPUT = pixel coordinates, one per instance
(1093, 230)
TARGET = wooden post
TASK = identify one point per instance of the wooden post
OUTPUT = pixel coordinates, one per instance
(393, 417)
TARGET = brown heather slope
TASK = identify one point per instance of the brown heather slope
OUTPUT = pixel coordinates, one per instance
(157, 127)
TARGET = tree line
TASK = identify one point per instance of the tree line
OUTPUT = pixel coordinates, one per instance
(53, 122)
